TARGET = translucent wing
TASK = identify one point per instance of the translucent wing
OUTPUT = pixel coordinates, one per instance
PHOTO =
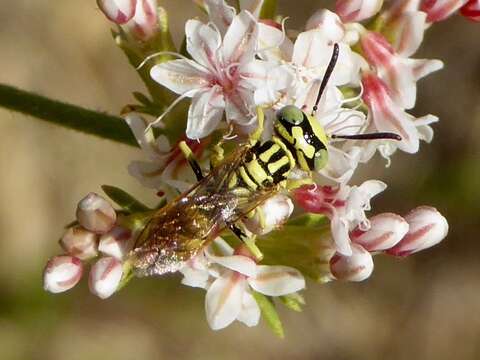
(180, 229)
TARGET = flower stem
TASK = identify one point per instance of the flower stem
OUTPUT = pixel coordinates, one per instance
(70, 116)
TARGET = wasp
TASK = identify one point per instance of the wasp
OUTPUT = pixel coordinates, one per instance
(235, 187)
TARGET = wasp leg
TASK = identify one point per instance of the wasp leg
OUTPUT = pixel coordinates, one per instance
(192, 161)
(249, 241)
(257, 134)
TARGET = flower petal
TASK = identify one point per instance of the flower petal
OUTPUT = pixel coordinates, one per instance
(220, 13)
(239, 263)
(250, 313)
(357, 267)
(203, 43)
(180, 76)
(277, 280)
(273, 44)
(253, 6)
(240, 40)
(205, 112)
(223, 301)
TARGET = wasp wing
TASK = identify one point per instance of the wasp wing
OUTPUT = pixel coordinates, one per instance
(180, 229)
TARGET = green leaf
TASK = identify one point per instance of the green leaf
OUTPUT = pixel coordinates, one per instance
(269, 8)
(309, 220)
(126, 201)
(303, 243)
(66, 115)
(269, 313)
(293, 301)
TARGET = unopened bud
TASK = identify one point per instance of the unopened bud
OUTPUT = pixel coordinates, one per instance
(118, 11)
(105, 276)
(145, 22)
(270, 215)
(80, 243)
(62, 273)
(357, 267)
(357, 10)
(386, 230)
(117, 242)
(438, 10)
(427, 228)
(471, 10)
(96, 214)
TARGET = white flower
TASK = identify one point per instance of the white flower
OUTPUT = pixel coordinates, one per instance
(386, 230)
(165, 165)
(79, 242)
(105, 276)
(427, 228)
(344, 205)
(235, 275)
(399, 74)
(356, 267)
(139, 16)
(357, 10)
(62, 273)
(96, 214)
(220, 77)
(270, 215)
(117, 242)
(386, 115)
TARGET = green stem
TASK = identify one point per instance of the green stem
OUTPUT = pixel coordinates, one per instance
(66, 115)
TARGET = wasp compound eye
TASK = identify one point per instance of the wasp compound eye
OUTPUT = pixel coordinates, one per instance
(290, 114)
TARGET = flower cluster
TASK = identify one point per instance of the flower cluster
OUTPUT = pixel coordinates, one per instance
(97, 232)
(242, 58)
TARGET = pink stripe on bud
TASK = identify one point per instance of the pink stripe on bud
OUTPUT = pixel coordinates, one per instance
(438, 10)
(471, 10)
(386, 230)
(105, 276)
(357, 10)
(62, 273)
(80, 243)
(117, 242)
(96, 214)
(427, 228)
(357, 267)
(118, 11)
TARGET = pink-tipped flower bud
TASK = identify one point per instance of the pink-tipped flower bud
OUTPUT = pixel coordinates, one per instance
(80, 243)
(427, 228)
(62, 273)
(357, 10)
(386, 230)
(471, 10)
(357, 267)
(96, 214)
(118, 11)
(105, 276)
(270, 215)
(438, 10)
(117, 242)
(144, 24)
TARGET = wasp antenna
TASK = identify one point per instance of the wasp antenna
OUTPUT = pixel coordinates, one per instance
(370, 136)
(326, 77)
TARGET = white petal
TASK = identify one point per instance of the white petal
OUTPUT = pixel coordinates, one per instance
(408, 31)
(181, 76)
(220, 13)
(223, 301)
(149, 174)
(253, 6)
(340, 230)
(424, 67)
(105, 276)
(118, 11)
(240, 40)
(372, 188)
(250, 313)
(357, 267)
(341, 164)
(273, 44)
(203, 43)
(239, 263)
(205, 113)
(239, 106)
(328, 23)
(277, 280)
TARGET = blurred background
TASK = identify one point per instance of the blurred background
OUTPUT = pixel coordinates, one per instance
(423, 307)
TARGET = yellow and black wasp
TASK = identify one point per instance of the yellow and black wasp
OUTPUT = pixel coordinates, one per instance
(235, 187)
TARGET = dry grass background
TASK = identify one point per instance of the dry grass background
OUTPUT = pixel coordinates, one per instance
(424, 307)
